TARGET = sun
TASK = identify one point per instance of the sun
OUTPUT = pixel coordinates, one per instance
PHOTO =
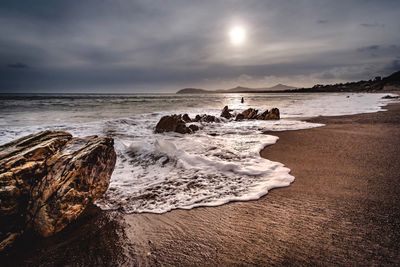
(237, 35)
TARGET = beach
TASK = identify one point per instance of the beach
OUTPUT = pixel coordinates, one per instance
(342, 209)
(199, 133)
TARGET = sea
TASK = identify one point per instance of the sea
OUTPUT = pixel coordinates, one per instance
(157, 173)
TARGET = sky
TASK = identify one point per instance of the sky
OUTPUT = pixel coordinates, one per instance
(123, 46)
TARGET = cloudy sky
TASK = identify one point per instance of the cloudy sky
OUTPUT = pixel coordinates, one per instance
(161, 46)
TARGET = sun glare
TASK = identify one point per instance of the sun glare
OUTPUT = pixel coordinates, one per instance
(237, 35)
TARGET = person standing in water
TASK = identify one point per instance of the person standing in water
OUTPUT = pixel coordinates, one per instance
(242, 101)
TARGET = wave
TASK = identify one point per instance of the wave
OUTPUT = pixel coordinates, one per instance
(160, 172)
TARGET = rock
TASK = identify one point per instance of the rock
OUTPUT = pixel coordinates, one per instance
(177, 123)
(273, 114)
(210, 118)
(390, 97)
(250, 113)
(182, 129)
(194, 127)
(173, 123)
(197, 118)
(206, 118)
(225, 113)
(47, 180)
(186, 118)
(263, 115)
(239, 117)
(168, 124)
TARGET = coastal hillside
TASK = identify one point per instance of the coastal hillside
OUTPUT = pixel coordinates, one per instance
(376, 84)
(393, 79)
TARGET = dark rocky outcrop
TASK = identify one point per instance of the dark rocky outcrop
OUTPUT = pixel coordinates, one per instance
(252, 114)
(47, 180)
(175, 123)
(239, 117)
(186, 118)
(194, 127)
(206, 118)
(274, 114)
(168, 124)
(263, 115)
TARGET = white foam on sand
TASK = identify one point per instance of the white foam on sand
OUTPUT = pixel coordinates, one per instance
(218, 164)
(184, 171)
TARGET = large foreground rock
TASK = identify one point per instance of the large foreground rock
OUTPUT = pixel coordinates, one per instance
(47, 180)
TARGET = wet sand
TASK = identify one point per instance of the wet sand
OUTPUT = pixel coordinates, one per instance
(342, 209)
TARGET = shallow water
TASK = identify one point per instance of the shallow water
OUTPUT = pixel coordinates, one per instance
(160, 172)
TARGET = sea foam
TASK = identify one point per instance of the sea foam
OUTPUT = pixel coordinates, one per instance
(160, 172)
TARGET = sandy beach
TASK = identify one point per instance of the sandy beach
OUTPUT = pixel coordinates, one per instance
(343, 209)
(199, 133)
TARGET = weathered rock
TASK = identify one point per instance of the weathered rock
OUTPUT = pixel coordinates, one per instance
(183, 129)
(168, 124)
(262, 115)
(250, 113)
(47, 180)
(186, 118)
(177, 123)
(206, 118)
(173, 123)
(225, 113)
(273, 114)
(239, 117)
(194, 127)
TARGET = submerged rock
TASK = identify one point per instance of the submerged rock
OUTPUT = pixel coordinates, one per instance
(390, 97)
(206, 118)
(47, 180)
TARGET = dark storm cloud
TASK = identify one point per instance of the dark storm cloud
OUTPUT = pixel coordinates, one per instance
(122, 45)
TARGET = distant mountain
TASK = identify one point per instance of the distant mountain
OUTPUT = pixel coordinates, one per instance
(238, 89)
(193, 91)
(282, 87)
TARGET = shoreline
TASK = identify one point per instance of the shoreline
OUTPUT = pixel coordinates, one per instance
(342, 209)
